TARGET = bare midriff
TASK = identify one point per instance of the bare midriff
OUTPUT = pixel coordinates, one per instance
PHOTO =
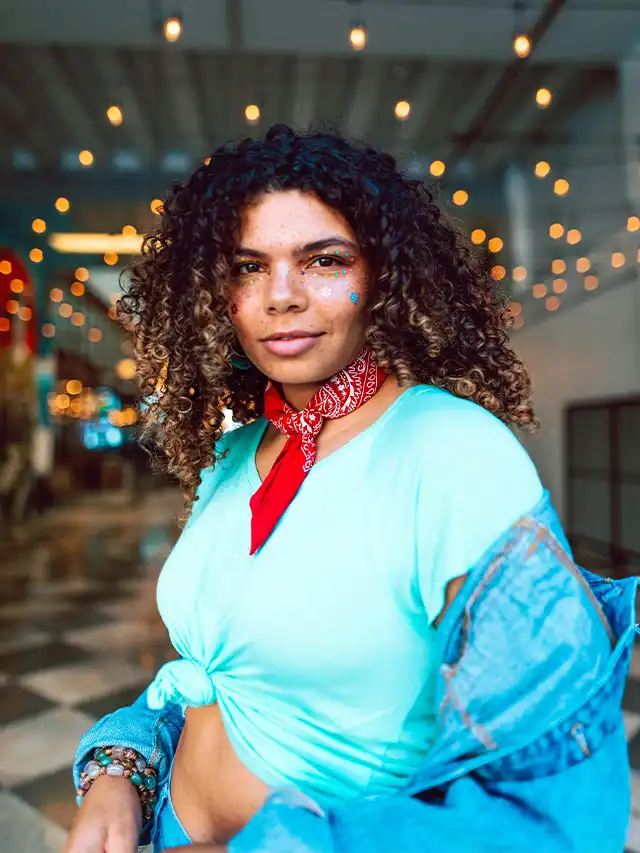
(214, 795)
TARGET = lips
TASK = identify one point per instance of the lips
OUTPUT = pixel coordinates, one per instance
(291, 343)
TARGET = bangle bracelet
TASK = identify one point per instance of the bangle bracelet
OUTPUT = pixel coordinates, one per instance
(121, 761)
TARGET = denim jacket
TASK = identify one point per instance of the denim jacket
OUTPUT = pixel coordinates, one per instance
(531, 753)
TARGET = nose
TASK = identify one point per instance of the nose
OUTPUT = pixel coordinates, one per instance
(285, 290)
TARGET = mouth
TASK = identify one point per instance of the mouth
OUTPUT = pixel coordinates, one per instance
(291, 343)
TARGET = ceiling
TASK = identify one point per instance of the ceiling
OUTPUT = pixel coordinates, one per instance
(472, 102)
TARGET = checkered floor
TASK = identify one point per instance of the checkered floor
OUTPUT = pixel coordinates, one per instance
(80, 636)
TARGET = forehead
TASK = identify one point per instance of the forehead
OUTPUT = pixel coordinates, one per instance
(290, 218)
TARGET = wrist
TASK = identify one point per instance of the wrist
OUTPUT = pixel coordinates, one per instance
(121, 765)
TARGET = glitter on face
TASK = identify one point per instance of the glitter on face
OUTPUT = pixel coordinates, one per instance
(354, 297)
(326, 292)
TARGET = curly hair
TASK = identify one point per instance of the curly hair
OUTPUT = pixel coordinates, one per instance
(434, 313)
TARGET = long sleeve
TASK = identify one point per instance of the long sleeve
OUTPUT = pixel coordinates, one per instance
(532, 755)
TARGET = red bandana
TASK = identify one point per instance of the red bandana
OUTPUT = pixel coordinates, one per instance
(342, 394)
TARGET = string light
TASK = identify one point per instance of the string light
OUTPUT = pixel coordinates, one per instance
(86, 157)
(48, 330)
(556, 231)
(82, 274)
(583, 264)
(590, 282)
(573, 236)
(539, 291)
(110, 258)
(114, 114)
(515, 308)
(39, 226)
(357, 37)
(65, 310)
(558, 266)
(94, 335)
(478, 236)
(62, 205)
(16, 285)
(126, 368)
(519, 273)
(559, 285)
(252, 113)
(552, 303)
(12, 306)
(77, 318)
(156, 206)
(543, 98)
(74, 387)
(542, 169)
(5, 324)
(633, 223)
(522, 45)
(77, 288)
(56, 295)
(172, 28)
(402, 110)
(437, 168)
(498, 272)
(460, 197)
(35, 255)
(495, 245)
(6, 267)
(129, 231)
(561, 187)
(25, 313)
(618, 260)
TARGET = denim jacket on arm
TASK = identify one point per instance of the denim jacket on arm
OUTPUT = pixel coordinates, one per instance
(531, 753)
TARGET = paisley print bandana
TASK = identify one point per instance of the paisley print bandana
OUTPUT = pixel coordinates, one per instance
(342, 394)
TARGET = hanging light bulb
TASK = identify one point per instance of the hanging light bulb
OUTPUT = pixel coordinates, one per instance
(543, 98)
(542, 169)
(172, 28)
(522, 45)
(114, 114)
(402, 110)
(358, 37)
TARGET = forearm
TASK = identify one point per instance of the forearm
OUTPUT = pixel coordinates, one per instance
(154, 734)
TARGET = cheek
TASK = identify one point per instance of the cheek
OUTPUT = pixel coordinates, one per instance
(340, 290)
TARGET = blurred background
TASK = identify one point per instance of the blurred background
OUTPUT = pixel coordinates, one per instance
(526, 118)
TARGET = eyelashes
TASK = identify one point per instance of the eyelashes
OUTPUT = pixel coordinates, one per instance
(326, 263)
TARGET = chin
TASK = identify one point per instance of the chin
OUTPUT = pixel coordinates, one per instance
(300, 370)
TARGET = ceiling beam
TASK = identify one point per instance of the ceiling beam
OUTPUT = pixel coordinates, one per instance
(117, 80)
(183, 106)
(423, 100)
(305, 81)
(366, 97)
(507, 79)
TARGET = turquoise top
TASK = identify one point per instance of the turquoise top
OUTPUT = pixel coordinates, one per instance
(319, 649)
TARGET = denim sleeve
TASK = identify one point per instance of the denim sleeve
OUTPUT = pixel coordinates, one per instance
(152, 733)
(576, 811)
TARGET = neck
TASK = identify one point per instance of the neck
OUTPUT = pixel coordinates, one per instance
(299, 396)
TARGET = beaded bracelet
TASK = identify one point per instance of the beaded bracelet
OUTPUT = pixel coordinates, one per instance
(121, 761)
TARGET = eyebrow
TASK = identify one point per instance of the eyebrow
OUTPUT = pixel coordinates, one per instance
(315, 246)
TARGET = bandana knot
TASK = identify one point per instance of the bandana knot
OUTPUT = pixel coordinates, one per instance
(339, 396)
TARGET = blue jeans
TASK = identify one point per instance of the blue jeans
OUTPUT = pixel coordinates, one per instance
(168, 832)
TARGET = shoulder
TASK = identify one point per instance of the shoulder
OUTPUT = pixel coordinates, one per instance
(231, 452)
(459, 437)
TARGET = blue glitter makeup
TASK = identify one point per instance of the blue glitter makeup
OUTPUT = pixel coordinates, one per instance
(354, 297)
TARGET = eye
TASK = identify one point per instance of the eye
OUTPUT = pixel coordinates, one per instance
(247, 268)
(327, 261)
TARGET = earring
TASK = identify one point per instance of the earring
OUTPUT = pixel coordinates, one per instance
(240, 362)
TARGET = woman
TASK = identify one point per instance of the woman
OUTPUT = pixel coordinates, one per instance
(306, 285)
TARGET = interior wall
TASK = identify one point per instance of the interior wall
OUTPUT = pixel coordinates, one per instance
(587, 352)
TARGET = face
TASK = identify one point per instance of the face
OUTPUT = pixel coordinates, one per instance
(298, 289)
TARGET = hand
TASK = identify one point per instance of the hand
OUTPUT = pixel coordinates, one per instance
(109, 820)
